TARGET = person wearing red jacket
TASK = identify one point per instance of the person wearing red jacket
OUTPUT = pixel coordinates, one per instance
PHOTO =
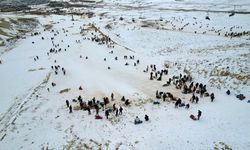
(114, 107)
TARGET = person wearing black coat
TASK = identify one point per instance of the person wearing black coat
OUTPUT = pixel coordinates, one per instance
(199, 114)
(120, 110)
(116, 112)
(107, 114)
(70, 109)
(196, 99)
(146, 117)
(177, 103)
(67, 103)
(212, 97)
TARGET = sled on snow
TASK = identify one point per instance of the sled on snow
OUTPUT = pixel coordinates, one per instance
(138, 122)
(240, 97)
(193, 117)
(156, 102)
(98, 117)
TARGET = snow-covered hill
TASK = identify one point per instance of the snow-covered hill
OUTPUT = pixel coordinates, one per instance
(34, 115)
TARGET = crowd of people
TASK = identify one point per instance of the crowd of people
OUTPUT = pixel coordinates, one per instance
(104, 104)
(181, 82)
(184, 83)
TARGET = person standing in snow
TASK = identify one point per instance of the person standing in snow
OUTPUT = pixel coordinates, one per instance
(202, 92)
(107, 114)
(196, 99)
(116, 112)
(112, 96)
(212, 97)
(146, 117)
(159, 79)
(177, 103)
(106, 100)
(97, 109)
(156, 74)
(67, 103)
(151, 75)
(120, 110)
(88, 109)
(156, 94)
(70, 109)
(81, 105)
(199, 114)
(193, 98)
(154, 68)
(93, 100)
(114, 108)
(123, 98)
(164, 96)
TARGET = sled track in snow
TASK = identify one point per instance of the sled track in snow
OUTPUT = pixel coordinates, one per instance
(113, 40)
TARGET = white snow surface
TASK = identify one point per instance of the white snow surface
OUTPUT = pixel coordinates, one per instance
(33, 118)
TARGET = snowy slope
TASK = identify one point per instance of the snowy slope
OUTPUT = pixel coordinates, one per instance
(36, 118)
